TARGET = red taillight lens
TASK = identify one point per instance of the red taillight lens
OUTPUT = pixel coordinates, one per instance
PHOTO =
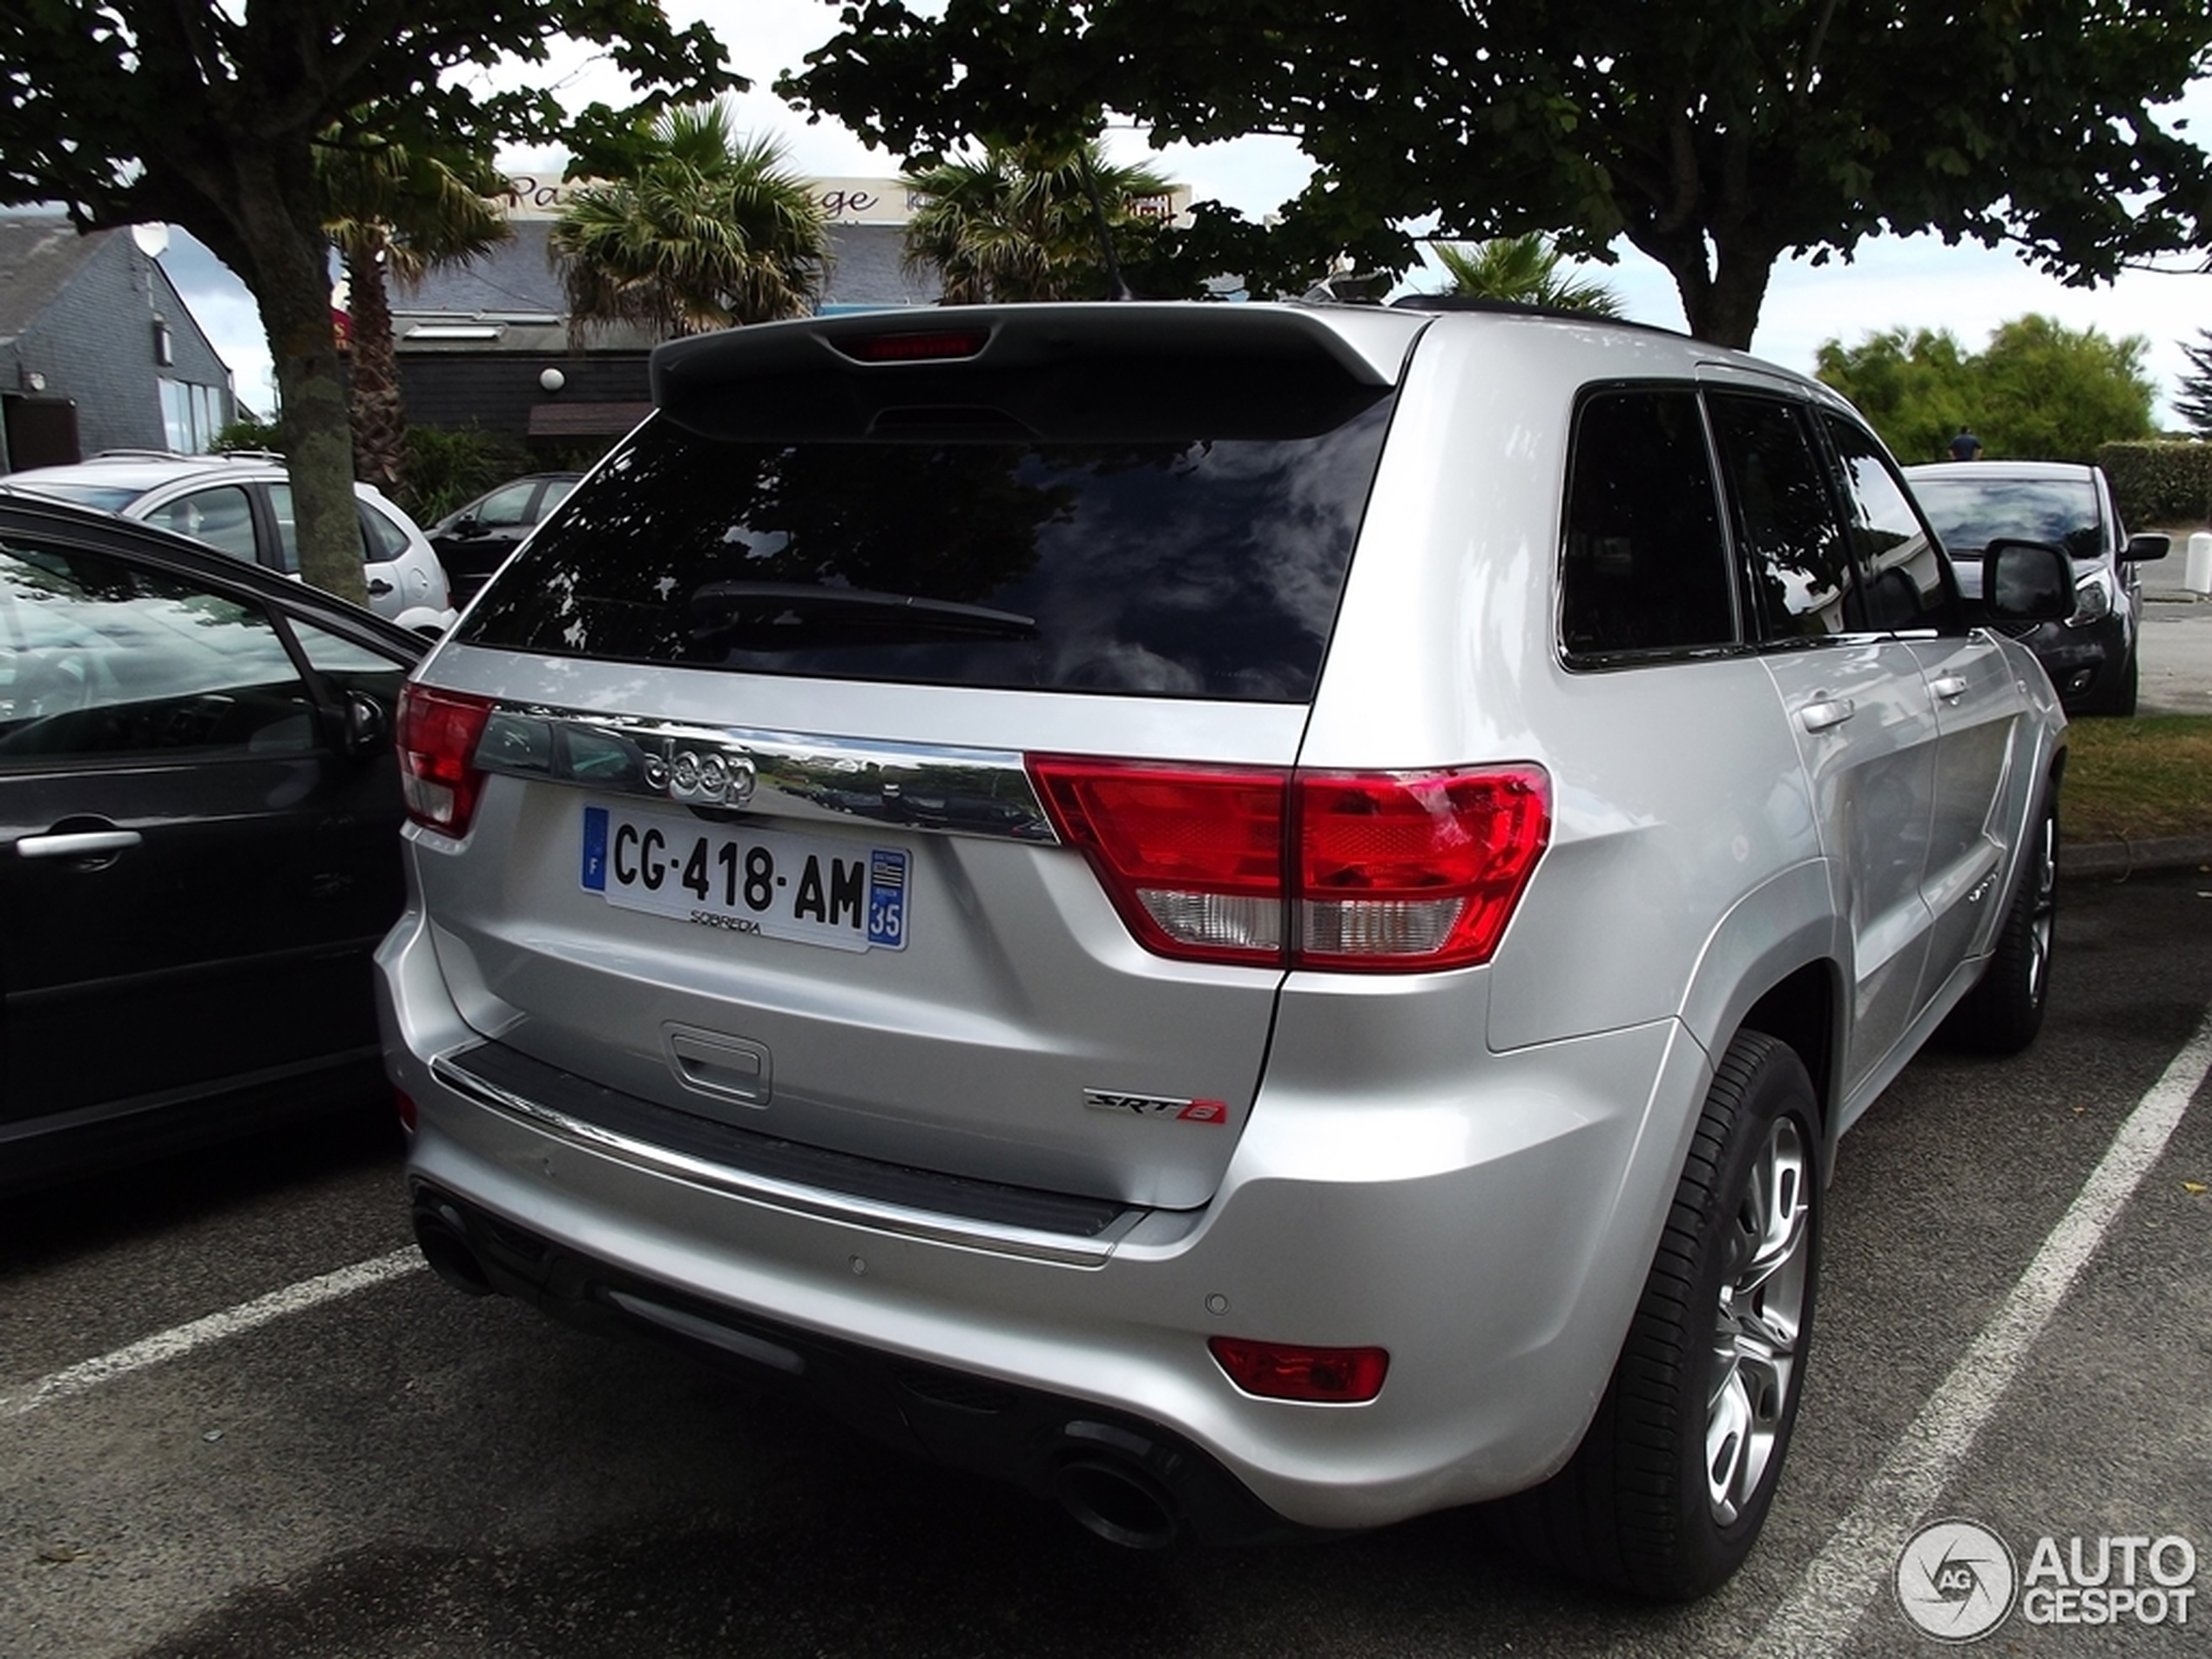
(438, 741)
(405, 1103)
(1414, 869)
(1191, 856)
(1394, 871)
(1278, 1371)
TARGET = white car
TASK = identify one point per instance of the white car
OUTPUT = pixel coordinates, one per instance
(241, 505)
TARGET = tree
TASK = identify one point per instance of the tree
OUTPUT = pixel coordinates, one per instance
(1524, 270)
(2193, 395)
(1917, 388)
(2053, 393)
(397, 214)
(1030, 221)
(1714, 135)
(210, 117)
(702, 230)
(2039, 392)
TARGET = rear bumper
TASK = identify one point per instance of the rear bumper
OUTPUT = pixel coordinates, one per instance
(1488, 1218)
(1102, 1462)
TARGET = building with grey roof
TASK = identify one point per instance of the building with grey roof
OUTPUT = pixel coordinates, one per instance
(97, 349)
(488, 345)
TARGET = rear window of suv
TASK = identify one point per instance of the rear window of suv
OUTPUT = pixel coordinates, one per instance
(1208, 568)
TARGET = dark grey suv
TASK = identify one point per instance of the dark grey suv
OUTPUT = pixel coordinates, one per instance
(1260, 918)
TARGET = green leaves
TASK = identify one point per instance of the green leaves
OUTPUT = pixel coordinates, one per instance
(690, 228)
(2039, 391)
(1714, 134)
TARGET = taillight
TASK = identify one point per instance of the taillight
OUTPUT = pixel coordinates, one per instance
(1414, 869)
(405, 1103)
(1279, 1371)
(1192, 856)
(1386, 872)
(437, 742)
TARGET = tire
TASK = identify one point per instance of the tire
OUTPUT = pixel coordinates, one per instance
(2123, 697)
(2118, 697)
(1667, 1494)
(2002, 1013)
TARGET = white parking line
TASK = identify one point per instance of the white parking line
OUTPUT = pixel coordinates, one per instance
(170, 1344)
(1819, 1613)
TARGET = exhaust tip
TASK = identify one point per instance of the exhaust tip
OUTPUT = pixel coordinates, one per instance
(1116, 1501)
(445, 1248)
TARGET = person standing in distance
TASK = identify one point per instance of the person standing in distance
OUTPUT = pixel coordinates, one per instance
(1965, 446)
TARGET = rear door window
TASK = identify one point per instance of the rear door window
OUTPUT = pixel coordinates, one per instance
(287, 525)
(1786, 521)
(221, 516)
(1207, 568)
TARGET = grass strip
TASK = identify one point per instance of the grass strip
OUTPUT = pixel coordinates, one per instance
(2145, 779)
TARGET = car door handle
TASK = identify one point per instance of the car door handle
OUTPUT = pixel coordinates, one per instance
(379, 588)
(1818, 717)
(78, 844)
(1950, 688)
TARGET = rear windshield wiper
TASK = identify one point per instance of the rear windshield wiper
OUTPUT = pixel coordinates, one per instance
(763, 611)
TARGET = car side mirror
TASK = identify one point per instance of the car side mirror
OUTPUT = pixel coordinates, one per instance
(2141, 550)
(2027, 581)
(369, 728)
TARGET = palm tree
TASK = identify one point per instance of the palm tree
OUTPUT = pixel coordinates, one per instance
(1522, 270)
(395, 214)
(1023, 222)
(708, 231)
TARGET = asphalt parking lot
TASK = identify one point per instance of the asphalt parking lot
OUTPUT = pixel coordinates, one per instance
(236, 1418)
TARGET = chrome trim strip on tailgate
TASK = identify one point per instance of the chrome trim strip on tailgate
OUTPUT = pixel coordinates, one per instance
(951, 791)
(1094, 1227)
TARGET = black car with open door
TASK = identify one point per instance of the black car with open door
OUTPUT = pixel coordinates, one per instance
(198, 850)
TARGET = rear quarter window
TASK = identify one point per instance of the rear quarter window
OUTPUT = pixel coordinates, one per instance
(1204, 568)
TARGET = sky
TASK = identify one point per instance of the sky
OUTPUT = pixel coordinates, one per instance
(1893, 282)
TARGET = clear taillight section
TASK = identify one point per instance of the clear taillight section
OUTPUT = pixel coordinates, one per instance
(1366, 871)
(438, 732)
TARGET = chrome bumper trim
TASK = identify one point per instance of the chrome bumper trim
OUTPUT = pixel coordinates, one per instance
(964, 1232)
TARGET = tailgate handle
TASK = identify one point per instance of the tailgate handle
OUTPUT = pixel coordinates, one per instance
(726, 1068)
(1818, 717)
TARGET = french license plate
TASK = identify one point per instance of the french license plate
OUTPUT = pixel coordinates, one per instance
(768, 882)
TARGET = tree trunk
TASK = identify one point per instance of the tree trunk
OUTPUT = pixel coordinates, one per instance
(1720, 298)
(290, 256)
(380, 422)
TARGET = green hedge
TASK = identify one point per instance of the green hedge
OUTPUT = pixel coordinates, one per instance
(2161, 482)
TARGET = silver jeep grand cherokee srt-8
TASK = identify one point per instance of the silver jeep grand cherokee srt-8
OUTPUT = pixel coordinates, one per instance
(1260, 918)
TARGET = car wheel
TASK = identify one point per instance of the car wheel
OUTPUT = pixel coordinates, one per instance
(2003, 1013)
(1667, 1493)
